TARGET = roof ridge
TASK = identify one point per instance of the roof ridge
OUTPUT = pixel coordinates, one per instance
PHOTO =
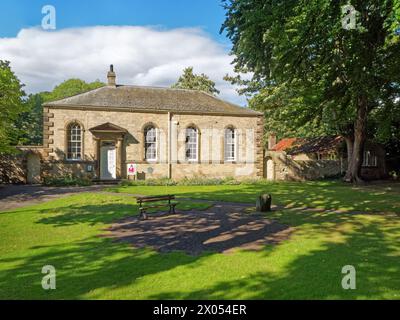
(190, 90)
(158, 87)
(74, 95)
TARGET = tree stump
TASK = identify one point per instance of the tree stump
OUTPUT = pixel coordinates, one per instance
(263, 203)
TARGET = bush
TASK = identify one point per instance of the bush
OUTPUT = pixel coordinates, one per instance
(195, 181)
(66, 181)
(149, 182)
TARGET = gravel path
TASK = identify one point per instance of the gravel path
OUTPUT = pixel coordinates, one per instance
(221, 228)
(16, 196)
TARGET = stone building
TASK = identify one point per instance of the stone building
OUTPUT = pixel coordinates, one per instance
(157, 132)
(317, 158)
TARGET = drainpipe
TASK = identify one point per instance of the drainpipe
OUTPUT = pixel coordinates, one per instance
(169, 146)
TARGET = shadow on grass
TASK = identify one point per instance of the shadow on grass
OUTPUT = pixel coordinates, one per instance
(215, 230)
(317, 274)
(88, 214)
(326, 195)
(83, 267)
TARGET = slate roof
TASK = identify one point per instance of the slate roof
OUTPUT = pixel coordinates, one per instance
(153, 99)
(308, 145)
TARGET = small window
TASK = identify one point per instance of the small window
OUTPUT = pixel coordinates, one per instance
(370, 159)
(334, 156)
(74, 137)
(191, 144)
(150, 145)
(230, 144)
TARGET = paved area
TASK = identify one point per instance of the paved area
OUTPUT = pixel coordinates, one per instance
(15, 196)
(221, 228)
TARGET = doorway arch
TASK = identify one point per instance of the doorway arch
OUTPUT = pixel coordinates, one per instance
(33, 168)
(270, 169)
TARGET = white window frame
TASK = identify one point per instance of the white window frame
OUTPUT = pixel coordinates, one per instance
(234, 144)
(369, 159)
(72, 143)
(188, 143)
(155, 142)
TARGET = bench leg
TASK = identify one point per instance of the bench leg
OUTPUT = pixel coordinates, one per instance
(173, 208)
(143, 215)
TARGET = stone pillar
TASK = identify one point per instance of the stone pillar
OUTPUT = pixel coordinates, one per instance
(97, 156)
(259, 147)
(120, 165)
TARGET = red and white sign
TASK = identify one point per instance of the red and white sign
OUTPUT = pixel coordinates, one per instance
(132, 169)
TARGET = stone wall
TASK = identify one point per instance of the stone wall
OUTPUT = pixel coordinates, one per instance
(210, 162)
(286, 168)
(26, 166)
(12, 169)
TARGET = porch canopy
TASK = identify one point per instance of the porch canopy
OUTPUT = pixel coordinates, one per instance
(107, 132)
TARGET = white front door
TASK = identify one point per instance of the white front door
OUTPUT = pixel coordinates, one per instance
(108, 162)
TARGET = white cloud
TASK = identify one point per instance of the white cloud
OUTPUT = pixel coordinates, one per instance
(141, 56)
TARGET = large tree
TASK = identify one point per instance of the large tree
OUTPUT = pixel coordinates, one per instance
(30, 122)
(11, 106)
(189, 80)
(331, 63)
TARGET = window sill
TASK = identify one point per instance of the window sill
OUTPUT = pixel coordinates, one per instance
(192, 161)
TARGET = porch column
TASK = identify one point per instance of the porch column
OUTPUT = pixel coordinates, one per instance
(120, 166)
(97, 156)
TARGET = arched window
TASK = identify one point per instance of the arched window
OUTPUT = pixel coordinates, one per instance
(230, 144)
(74, 141)
(191, 144)
(150, 144)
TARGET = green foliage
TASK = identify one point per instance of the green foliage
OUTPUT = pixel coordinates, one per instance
(30, 122)
(196, 181)
(66, 181)
(11, 106)
(70, 88)
(310, 70)
(192, 81)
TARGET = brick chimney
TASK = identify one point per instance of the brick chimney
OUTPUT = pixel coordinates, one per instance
(271, 140)
(111, 77)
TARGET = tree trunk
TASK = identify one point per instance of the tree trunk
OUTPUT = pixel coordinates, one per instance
(360, 126)
(349, 146)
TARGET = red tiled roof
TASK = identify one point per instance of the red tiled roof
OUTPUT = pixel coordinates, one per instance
(308, 145)
(284, 144)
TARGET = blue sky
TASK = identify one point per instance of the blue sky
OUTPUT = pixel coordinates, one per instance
(149, 42)
(207, 14)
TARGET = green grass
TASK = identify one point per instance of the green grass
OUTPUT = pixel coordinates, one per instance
(326, 194)
(66, 233)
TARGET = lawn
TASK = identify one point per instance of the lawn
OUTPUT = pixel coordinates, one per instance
(66, 233)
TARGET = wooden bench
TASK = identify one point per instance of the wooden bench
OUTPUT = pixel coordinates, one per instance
(144, 200)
